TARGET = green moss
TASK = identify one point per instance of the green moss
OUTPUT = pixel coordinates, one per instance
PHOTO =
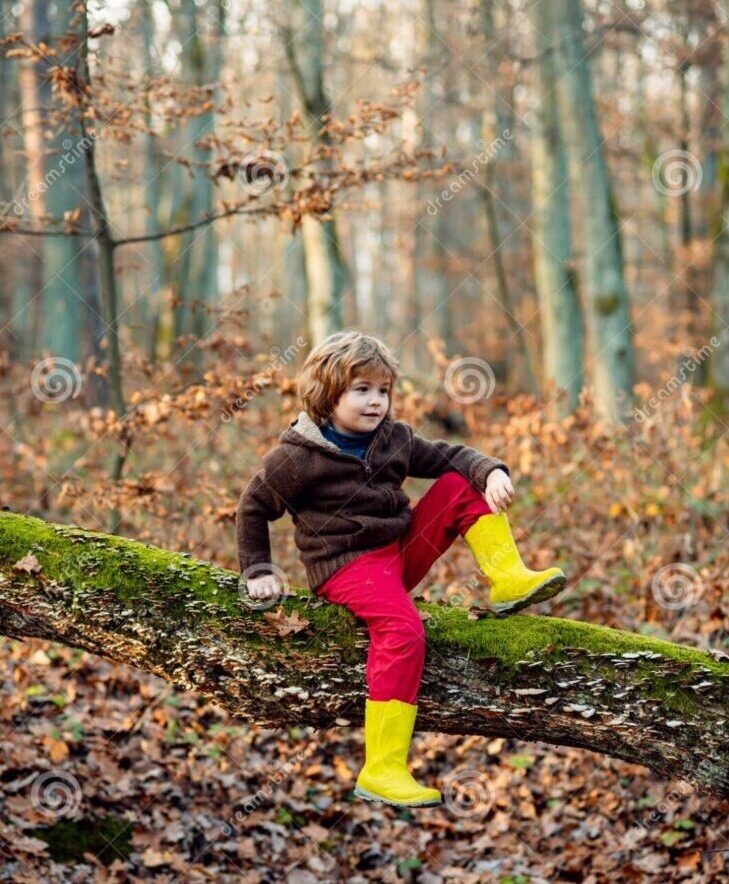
(675, 698)
(129, 570)
(108, 562)
(523, 637)
(108, 838)
(520, 636)
(607, 303)
(330, 619)
(332, 628)
(80, 559)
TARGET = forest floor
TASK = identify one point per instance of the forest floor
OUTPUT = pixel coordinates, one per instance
(109, 774)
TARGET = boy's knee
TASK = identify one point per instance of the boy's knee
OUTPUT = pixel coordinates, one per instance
(452, 479)
(412, 631)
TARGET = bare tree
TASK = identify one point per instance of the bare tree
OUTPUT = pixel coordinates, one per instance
(326, 272)
(607, 297)
(554, 272)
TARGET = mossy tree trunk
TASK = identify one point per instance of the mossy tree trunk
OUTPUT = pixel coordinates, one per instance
(62, 255)
(607, 296)
(559, 681)
(554, 274)
(719, 364)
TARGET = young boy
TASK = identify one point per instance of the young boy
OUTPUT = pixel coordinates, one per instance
(338, 470)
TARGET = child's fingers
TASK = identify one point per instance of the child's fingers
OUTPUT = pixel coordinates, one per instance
(506, 494)
(493, 505)
(502, 498)
(265, 589)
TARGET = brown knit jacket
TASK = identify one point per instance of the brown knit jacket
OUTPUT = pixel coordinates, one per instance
(342, 505)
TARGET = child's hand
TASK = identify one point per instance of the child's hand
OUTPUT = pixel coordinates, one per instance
(267, 586)
(499, 491)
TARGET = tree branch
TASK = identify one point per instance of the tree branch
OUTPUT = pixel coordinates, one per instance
(564, 682)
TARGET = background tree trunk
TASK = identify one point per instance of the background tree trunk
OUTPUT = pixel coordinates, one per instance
(502, 204)
(608, 301)
(25, 323)
(62, 264)
(199, 259)
(326, 271)
(719, 366)
(150, 305)
(554, 274)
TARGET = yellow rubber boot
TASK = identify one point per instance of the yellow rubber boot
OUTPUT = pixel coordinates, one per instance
(513, 586)
(385, 776)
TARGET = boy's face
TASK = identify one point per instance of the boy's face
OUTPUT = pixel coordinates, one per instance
(362, 406)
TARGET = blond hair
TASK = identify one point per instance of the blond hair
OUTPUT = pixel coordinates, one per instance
(331, 366)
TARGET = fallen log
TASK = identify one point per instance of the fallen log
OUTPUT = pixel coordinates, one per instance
(564, 682)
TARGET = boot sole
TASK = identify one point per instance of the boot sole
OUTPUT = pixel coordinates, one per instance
(372, 796)
(546, 591)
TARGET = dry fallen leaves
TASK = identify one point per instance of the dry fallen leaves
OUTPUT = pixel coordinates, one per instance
(286, 623)
(28, 563)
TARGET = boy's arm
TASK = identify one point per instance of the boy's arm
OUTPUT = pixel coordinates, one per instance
(263, 500)
(429, 460)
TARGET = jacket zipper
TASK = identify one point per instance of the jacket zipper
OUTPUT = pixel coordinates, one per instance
(362, 460)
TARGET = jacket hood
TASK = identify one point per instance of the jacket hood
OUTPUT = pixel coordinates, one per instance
(303, 431)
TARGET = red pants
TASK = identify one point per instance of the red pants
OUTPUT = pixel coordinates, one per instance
(375, 585)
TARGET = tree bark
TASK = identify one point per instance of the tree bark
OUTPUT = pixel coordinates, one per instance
(502, 225)
(64, 193)
(326, 272)
(199, 248)
(105, 253)
(560, 308)
(150, 306)
(608, 300)
(34, 92)
(102, 230)
(719, 365)
(558, 681)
